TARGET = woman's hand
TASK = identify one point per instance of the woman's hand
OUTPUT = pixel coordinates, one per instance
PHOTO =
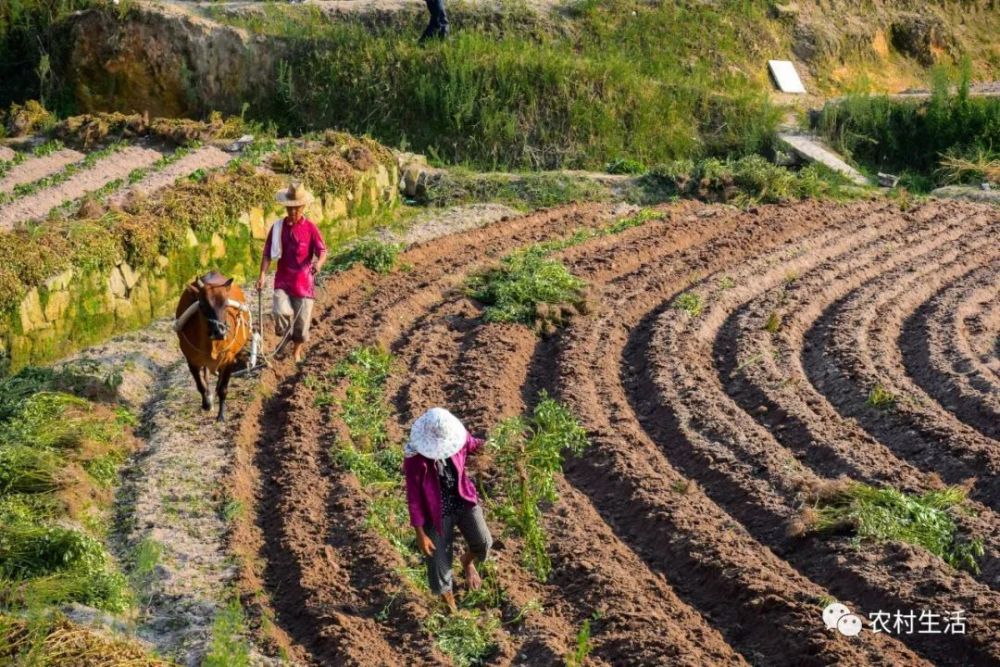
(425, 543)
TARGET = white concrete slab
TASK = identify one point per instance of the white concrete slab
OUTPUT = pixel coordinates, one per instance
(785, 76)
(810, 149)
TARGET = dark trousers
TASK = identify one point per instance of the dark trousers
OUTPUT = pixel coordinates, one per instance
(472, 525)
(438, 26)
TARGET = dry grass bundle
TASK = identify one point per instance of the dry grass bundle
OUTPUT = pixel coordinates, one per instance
(60, 643)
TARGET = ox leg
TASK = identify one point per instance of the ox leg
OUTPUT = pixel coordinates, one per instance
(221, 389)
(206, 398)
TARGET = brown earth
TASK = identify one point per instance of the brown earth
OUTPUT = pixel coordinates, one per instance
(707, 432)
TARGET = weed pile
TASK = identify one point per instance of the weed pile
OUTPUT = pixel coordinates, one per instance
(882, 514)
(59, 456)
(56, 642)
(530, 288)
(529, 453)
(751, 180)
(375, 255)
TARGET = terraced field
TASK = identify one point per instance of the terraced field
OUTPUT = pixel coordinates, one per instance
(726, 371)
(35, 185)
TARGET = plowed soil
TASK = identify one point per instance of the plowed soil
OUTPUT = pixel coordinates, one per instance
(705, 429)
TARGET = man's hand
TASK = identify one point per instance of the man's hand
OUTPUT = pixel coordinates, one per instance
(424, 543)
(260, 283)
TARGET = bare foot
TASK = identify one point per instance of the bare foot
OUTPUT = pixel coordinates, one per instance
(449, 601)
(472, 578)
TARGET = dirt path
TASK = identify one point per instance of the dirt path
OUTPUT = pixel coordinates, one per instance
(35, 168)
(37, 205)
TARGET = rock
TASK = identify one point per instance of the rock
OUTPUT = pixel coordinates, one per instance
(30, 311)
(56, 305)
(117, 284)
(887, 180)
(129, 275)
(60, 281)
(920, 36)
(787, 11)
(192, 239)
(985, 187)
(240, 144)
(258, 226)
(218, 247)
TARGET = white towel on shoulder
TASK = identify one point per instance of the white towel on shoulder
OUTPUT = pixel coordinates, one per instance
(276, 238)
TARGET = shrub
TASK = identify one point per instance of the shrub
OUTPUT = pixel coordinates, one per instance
(881, 398)
(468, 637)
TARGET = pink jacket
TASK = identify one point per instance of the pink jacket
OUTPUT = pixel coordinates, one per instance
(423, 489)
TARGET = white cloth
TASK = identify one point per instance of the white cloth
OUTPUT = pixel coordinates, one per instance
(436, 434)
(276, 238)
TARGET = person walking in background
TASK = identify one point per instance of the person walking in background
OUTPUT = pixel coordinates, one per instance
(296, 243)
(438, 26)
(441, 497)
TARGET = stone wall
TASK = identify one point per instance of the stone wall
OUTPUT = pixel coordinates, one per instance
(78, 308)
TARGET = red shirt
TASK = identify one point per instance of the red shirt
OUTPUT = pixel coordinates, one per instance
(301, 243)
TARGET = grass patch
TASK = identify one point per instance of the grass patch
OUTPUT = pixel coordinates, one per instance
(751, 180)
(773, 323)
(529, 453)
(59, 458)
(887, 514)
(602, 81)
(524, 280)
(229, 647)
(525, 191)
(689, 302)
(583, 646)
(26, 189)
(375, 255)
(881, 398)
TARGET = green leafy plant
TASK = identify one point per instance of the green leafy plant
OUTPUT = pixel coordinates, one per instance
(625, 166)
(881, 514)
(229, 647)
(374, 254)
(773, 322)
(524, 279)
(583, 646)
(529, 452)
(881, 398)
(689, 302)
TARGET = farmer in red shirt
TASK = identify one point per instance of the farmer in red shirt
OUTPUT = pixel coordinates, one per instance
(441, 497)
(298, 246)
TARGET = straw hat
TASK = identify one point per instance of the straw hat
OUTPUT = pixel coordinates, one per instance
(437, 434)
(295, 195)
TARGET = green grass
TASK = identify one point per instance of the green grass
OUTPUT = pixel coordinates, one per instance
(605, 81)
(376, 255)
(524, 191)
(61, 176)
(529, 453)
(229, 647)
(881, 398)
(884, 514)
(751, 180)
(773, 323)
(583, 646)
(59, 457)
(913, 138)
